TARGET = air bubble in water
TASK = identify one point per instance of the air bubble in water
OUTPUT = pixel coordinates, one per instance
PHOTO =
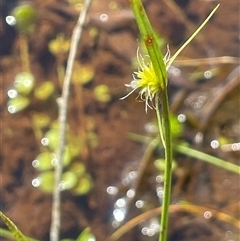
(139, 203)
(35, 163)
(121, 202)
(229, 234)
(104, 17)
(54, 162)
(12, 93)
(62, 186)
(208, 74)
(160, 192)
(214, 144)
(130, 193)
(10, 20)
(111, 190)
(12, 109)
(159, 179)
(207, 215)
(119, 214)
(236, 146)
(45, 141)
(36, 182)
(181, 118)
(198, 138)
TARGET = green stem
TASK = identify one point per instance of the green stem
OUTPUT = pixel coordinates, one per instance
(207, 158)
(165, 131)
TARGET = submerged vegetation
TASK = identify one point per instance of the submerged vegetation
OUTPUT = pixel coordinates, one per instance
(63, 151)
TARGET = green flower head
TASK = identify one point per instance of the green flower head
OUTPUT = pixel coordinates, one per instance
(146, 81)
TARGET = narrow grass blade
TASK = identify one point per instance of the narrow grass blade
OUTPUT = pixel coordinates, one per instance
(191, 37)
(17, 234)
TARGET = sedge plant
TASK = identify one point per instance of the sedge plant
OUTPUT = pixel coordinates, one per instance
(151, 81)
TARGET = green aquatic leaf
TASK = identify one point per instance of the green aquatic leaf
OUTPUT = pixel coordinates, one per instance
(43, 161)
(83, 186)
(46, 181)
(69, 180)
(17, 104)
(52, 137)
(78, 168)
(102, 93)
(26, 17)
(44, 90)
(40, 120)
(82, 74)
(24, 82)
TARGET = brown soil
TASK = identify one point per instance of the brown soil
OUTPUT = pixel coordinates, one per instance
(110, 55)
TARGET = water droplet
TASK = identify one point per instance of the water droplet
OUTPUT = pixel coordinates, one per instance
(12, 93)
(214, 144)
(45, 141)
(35, 163)
(207, 215)
(10, 20)
(36, 182)
(139, 203)
(111, 190)
(208, 74)
(104, 17)
(130, 193)
(181, 118)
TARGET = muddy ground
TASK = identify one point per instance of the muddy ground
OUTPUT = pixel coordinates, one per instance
(109, 52)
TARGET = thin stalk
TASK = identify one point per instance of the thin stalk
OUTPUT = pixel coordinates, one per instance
(164, 125)
(63, 107)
